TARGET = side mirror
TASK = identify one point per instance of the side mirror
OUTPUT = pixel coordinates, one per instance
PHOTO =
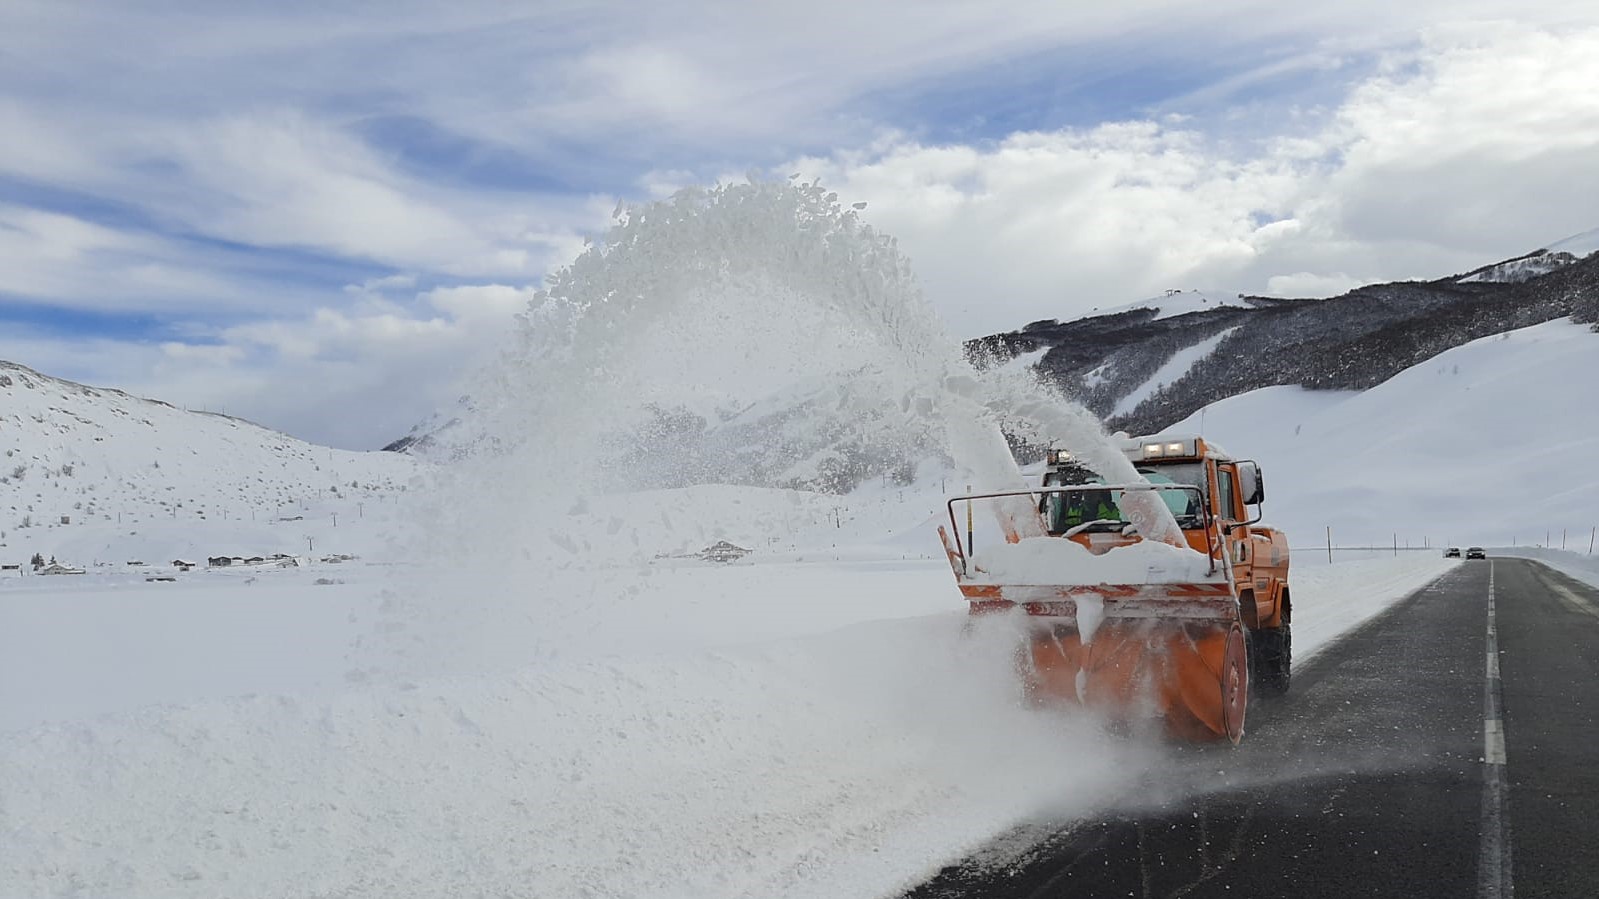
(1251, 483)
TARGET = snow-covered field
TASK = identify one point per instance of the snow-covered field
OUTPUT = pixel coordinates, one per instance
(797, 728)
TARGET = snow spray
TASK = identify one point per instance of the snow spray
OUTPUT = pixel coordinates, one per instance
(705, 306)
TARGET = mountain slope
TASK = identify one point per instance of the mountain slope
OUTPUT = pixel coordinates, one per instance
(1486, 443)
(1349, 342)
(79, 454)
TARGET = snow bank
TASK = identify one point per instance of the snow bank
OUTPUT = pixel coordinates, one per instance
(78, 647)
(1576, 565)
(845, 764)
(790, 728)
(1331, 600)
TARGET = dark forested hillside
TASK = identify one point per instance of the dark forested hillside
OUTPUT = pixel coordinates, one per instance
(1349, 342)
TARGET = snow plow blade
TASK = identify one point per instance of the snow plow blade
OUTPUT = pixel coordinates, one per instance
(1131, 651)
(1173, 651)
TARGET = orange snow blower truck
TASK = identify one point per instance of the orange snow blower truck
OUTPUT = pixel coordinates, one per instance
(1184, 649)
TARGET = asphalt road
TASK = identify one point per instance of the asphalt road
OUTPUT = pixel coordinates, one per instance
(1449, 747)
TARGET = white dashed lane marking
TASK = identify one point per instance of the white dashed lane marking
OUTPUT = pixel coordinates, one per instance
(1493, 855)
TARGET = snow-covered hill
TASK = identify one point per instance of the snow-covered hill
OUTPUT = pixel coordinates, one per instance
(1578, 245)
(1119, 362)
(1177, 302)
(83, 464)
(1539, 262)
(1486, 444)
(1523, 268)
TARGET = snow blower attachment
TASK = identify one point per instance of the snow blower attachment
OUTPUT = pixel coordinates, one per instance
(1127, 624)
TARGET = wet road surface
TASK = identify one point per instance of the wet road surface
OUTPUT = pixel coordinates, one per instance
(1449, 747)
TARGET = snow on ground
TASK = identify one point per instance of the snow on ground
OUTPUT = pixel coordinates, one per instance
(98, 456)
(1169, 372)
(1025, 360)
(1484, 444)
(1557, 255)
(1332, 599)
(815, 728)
(1178, 302)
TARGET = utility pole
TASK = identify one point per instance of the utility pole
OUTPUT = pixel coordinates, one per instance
(1329, 544)
(335, 519)
(310, 545)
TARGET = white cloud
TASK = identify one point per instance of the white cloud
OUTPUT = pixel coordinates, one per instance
(204, 354)
(357, 377)
(1478, 144)
(1043, 225)
(1306, 284)
(284, 180)
(495, 303)
(63, 257)
(1495, 137)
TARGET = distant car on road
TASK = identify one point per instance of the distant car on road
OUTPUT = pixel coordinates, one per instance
(1452, 552)
(1475, 552)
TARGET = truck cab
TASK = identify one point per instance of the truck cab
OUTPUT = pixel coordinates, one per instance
(1216, 519)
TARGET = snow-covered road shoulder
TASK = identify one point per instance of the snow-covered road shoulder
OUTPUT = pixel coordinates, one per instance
(1331, 600)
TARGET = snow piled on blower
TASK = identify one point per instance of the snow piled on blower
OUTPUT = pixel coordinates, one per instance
(1047, 560)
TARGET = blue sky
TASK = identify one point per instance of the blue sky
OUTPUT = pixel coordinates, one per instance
(288, 211)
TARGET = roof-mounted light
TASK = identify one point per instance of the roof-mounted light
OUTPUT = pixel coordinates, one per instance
(1167, 449)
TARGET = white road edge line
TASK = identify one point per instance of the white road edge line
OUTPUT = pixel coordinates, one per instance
(1493, 851)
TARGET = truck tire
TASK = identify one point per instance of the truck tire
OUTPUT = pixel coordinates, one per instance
(1271, 655)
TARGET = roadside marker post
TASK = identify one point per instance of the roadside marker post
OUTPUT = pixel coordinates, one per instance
(968, 522)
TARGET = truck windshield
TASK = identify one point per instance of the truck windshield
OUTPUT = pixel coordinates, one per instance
(1184, 505)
